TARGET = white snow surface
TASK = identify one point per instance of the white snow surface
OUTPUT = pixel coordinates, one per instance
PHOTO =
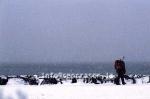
(18, 89)
(76, 91)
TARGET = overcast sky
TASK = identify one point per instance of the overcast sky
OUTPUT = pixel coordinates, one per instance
(74, 30)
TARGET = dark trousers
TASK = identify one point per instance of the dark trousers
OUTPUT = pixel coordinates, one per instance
(121, 76)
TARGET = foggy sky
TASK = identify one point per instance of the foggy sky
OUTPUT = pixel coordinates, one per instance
(74, 30)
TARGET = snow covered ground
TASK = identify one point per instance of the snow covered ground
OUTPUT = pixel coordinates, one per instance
(76, 91)
(18, 89)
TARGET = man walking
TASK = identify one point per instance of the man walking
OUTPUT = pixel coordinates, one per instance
(120, 70)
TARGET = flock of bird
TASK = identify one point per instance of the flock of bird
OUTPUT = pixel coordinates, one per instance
(55, 78)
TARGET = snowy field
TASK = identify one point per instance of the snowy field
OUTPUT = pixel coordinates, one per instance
(16, 88)
(76, 91)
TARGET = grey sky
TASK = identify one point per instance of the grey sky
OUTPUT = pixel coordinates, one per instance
(74, 30)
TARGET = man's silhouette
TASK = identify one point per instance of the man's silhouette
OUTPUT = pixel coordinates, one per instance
(120, 70)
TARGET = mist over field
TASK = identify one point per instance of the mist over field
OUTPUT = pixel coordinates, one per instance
(35, 31)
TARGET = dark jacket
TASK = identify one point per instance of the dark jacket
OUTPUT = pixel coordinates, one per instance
(120, 66)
